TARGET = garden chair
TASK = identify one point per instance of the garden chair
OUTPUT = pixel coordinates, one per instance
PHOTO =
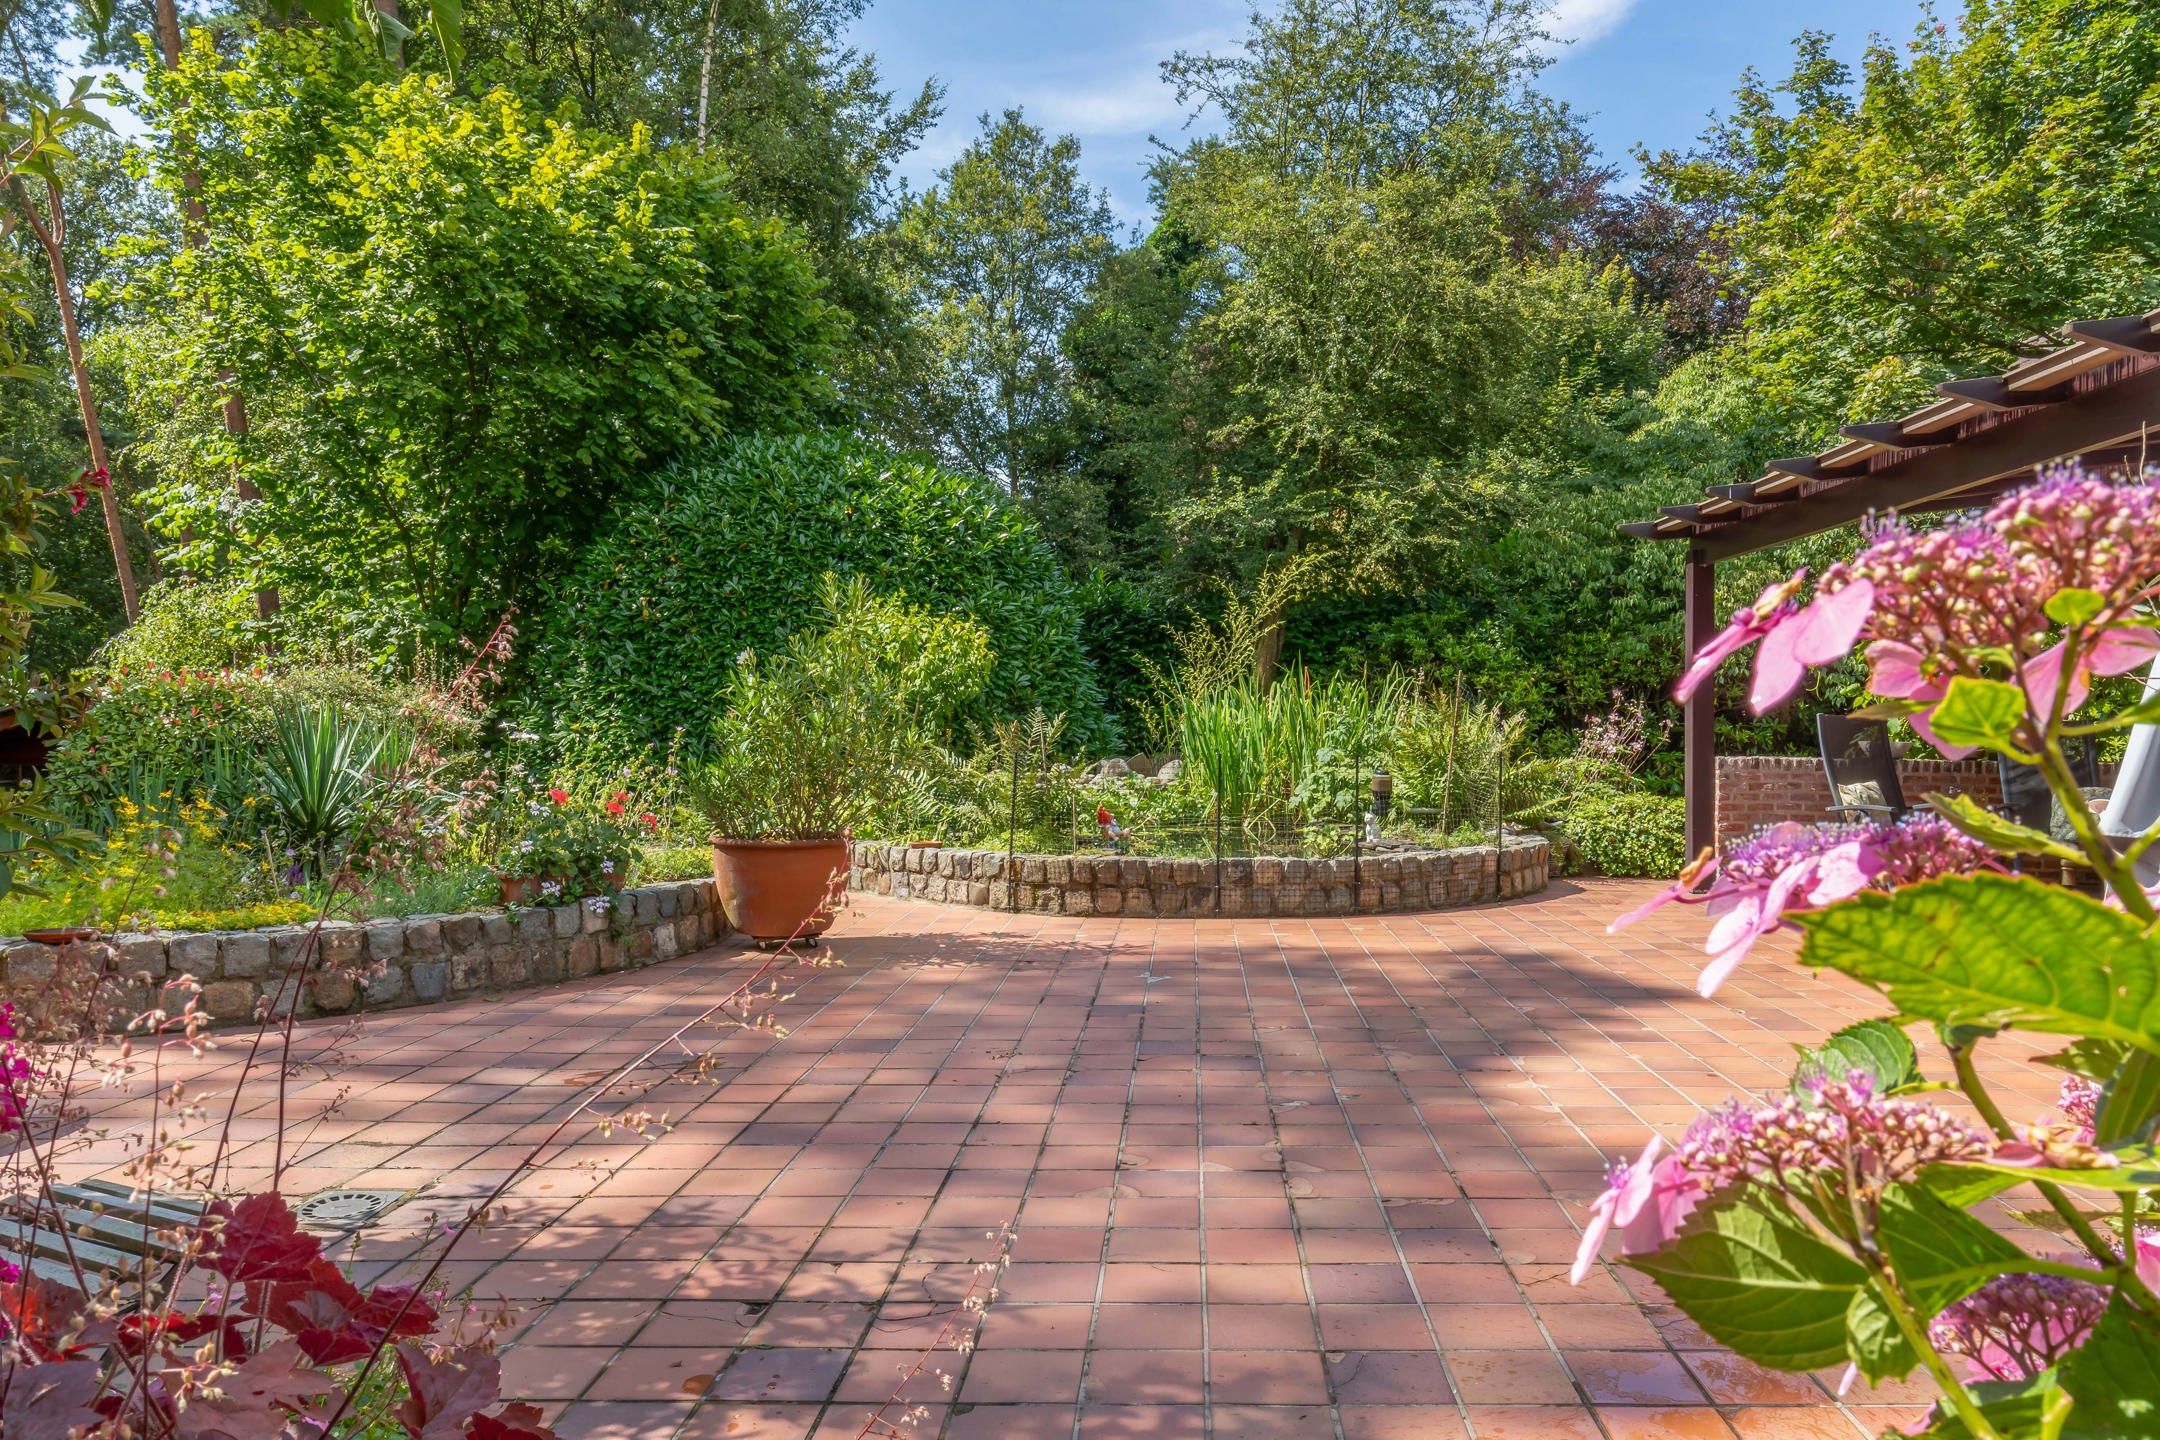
(2026, 797)
(1862, 768)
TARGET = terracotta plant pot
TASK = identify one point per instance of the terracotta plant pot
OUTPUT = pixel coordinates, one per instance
(525, 889)
(67, 935)
(774, 889)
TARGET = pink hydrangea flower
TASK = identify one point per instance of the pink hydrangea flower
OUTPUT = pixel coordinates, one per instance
(1790, 638)
(1791, 868)
(1646, 1201)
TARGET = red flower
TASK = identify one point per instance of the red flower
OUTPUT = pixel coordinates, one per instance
(649, 820)
(614, 806)
(560, 797)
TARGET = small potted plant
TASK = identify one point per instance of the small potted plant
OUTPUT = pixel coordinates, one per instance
(814, 745)
(558, 850)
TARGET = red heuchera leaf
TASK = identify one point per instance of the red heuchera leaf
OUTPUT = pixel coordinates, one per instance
(46, 1402)
(254, 1400)
(396, 1310)
(333, 1321)
(260, 1240)
(512, 1422)
(50, 1317)
(448, 1392)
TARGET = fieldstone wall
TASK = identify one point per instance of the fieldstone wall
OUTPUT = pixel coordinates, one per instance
(389, 964)
(1154, 885)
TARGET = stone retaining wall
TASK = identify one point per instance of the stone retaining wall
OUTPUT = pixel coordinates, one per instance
(388, 964)
(1153, 885)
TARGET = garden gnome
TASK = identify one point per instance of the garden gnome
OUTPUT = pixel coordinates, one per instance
(1112, 833)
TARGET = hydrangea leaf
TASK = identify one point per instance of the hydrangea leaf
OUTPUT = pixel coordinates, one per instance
(1995, 951)
(2115, 1378)
(2136, 1168)
(1873, 1340)
(1981, 713)
(1875, 1046)
(1758, 1280)
(1939, 1252)
(2129, 1102)
(1998, 832)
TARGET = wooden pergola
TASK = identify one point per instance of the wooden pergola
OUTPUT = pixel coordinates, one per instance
(2094, 399)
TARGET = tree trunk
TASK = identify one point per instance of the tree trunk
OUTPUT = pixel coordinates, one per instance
(49, 238)
(1268, 653)
(704, 80)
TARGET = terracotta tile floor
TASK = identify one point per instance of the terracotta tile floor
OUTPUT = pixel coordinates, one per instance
(1288, 1178)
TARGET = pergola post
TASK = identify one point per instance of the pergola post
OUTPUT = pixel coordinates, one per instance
(1698, 723)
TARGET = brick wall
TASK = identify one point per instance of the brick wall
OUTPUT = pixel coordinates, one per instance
(1758, 790)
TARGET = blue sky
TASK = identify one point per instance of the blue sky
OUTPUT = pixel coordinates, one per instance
(1640, 70)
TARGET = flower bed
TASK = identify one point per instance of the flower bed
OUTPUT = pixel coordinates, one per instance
(388, 964)
(1155, 885)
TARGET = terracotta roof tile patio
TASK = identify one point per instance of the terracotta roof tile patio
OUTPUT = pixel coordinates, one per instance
(1296, 1178)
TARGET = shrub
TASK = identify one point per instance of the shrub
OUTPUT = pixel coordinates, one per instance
(185, 626)
(197, 733)
(169, 867)
(723, 555)
(821, 740)
(1622, 832)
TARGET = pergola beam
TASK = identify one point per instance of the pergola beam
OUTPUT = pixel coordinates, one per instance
(2092, 421)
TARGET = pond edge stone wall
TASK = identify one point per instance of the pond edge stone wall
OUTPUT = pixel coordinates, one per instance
(1156, 885)
(390, 963)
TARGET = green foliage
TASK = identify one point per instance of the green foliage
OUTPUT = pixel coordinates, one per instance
(184, 626)
(195, 734)
(1759, 1280)
(317, 775)
(1627, 832)
(462, 331)
(995, 259)
(724, 556)
(819, 740)
(1875, 1048)
(155, 866)
(1990, 951)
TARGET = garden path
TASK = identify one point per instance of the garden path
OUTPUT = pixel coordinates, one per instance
(1270, 1178)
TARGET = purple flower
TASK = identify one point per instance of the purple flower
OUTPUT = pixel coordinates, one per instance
(1647, 1201)
(2016, 1326)
(1791, 868)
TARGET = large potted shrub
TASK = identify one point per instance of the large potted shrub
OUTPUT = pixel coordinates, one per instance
(816, 743)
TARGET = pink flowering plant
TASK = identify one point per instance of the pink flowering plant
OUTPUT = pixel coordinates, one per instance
(1843, 1221)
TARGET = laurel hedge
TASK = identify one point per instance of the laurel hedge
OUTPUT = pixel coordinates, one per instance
(722, 553)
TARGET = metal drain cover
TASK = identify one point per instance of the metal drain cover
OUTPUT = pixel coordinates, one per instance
(345, 1209)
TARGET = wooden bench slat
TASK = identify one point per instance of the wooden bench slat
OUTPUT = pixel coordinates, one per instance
(119, 1199)
(19, 1239)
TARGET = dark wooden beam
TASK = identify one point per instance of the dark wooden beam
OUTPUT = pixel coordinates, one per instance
(1992, 392)
(2092, 421)
(1698, 720)
(2129, 334)
(1892, 432)
(1651, 530)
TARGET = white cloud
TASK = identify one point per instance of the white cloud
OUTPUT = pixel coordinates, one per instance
(1583, 22)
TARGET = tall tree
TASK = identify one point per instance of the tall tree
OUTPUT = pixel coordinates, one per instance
(996, 259)
(805, 122)
(34, 147)
(1945, 210)
(1393, 211)
(462, 331)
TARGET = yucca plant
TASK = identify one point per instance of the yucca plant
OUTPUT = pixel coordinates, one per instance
(317, 776)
